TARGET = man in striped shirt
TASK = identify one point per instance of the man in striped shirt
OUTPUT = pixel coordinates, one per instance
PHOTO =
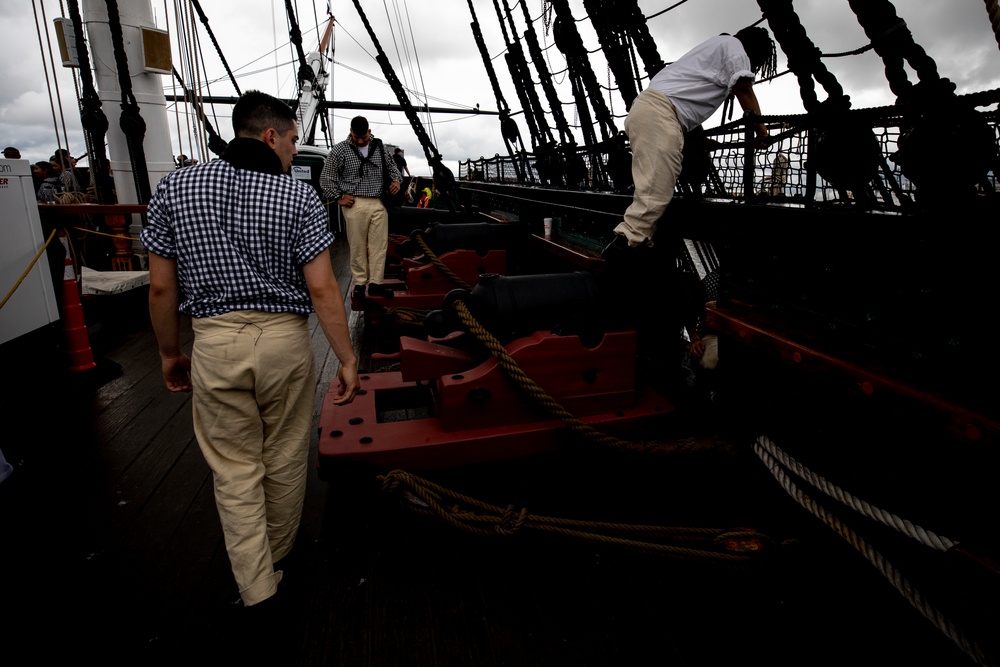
(243, 248)
(355, 175)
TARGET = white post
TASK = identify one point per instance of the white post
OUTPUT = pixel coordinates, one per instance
(146, 87)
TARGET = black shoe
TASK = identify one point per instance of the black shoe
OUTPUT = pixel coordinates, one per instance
(359, 292)
(375, 289)
(616, 249)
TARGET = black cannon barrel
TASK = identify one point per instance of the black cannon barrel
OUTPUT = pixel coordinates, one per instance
(510, 307)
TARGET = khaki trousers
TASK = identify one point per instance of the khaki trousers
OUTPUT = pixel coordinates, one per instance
(657, 141)
(367, 226)
(254, 386)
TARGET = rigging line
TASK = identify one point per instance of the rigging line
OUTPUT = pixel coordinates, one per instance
(380, 80)
(274, 36)
(218, 49)
(62, 116)
(203, 125)
(408, 69)
(664, 11)
(45, 68)
(177, 107)
(204, 72)
(196, 79)
(55, 81)
(420, 71)
(180, 19)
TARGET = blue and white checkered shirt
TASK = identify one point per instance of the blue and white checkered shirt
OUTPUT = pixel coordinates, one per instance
(343, 173)
(240, 237)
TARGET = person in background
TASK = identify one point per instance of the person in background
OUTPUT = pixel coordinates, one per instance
(679, 98)
(64, 172)
(12, 153)
(50, 185)
(354, 176)
(243, 248)
(40, 171)
(397, 157)
(81, 176)
(425, 201)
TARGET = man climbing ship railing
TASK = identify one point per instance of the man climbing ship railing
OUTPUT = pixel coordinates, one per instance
(781, 173)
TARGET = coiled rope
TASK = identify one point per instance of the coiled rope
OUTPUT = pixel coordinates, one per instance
(884, 567)
(480, 518)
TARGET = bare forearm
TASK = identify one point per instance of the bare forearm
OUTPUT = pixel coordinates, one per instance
(744, 94)
(333, 321)
(328, 303)
(164, 298)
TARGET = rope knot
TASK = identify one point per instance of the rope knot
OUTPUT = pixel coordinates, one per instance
(511, 521)
(393, 480)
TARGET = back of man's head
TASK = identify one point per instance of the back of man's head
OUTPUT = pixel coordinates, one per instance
(760, 49)
(255, 112)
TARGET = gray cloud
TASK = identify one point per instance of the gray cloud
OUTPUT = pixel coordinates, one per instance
(445, 63)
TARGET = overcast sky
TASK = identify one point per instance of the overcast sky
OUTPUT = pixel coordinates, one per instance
(435, 54)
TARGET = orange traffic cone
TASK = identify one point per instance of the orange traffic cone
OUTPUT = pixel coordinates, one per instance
(81, 357)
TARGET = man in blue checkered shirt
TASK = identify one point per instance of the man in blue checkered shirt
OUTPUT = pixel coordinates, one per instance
(243, 248)
(355, 175)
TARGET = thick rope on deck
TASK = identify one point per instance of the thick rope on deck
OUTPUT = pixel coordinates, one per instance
(919, 533)
(885, 568)
(480, 518)
(442, 267)
(544, 400)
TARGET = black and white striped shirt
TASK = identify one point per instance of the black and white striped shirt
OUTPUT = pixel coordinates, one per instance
(240, 237)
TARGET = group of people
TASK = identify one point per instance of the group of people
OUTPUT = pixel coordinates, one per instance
(57, 175)
(243, 249)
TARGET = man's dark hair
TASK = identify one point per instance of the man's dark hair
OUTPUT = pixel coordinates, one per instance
(359, 126)
(398, 150)
(255, 112)
(760, 49)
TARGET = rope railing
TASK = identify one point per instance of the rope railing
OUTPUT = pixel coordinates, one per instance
(31, 265)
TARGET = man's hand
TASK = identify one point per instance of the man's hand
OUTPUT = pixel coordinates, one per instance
(763, 140)
(349, 385)
(394, 187)
(347, 201)
(176, 372)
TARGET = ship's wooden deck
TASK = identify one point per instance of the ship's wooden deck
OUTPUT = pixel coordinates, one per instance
(111, 551)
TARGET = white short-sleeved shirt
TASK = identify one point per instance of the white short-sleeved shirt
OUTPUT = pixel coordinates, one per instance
(700, 81)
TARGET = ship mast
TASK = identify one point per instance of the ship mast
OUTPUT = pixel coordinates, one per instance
(146, 91)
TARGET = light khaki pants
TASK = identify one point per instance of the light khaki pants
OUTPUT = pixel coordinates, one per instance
(657, 141)
(367, 226)
(254, 386)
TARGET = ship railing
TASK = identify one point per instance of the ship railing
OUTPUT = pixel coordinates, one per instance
(802, 165)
